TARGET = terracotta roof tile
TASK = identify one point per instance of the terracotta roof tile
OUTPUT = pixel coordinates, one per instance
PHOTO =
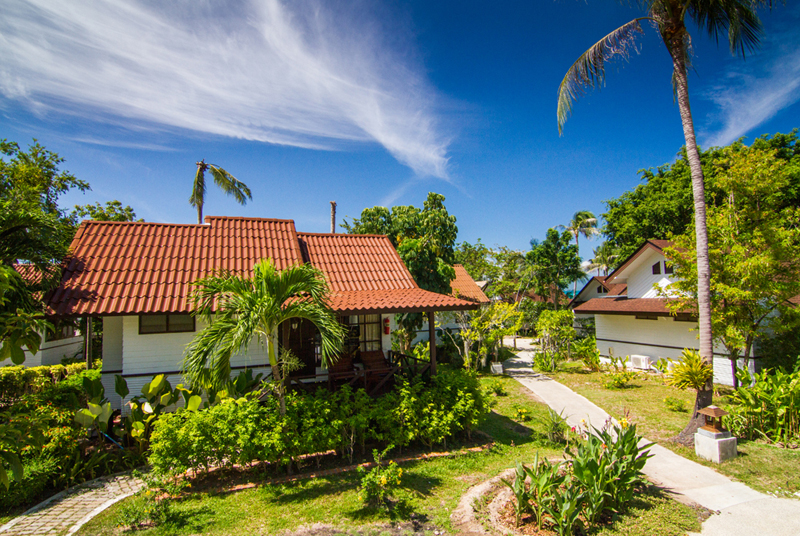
(465, 287)
(135, 267)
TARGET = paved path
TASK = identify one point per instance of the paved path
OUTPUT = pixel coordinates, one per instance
(741, 510)
(67, 511)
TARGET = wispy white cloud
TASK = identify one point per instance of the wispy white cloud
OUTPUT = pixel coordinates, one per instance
(755, 90)
(307, 73)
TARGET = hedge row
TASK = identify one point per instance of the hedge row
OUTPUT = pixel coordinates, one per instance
(245, 430)
(19, 380)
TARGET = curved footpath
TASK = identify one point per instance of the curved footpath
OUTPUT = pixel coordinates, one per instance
(740, 509)
(68, 511)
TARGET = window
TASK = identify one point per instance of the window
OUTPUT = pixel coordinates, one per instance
(646, 317)
(364, 332)
(601, 289)
(165, 324)
(685, 317)
(667, 268)
(657, 268)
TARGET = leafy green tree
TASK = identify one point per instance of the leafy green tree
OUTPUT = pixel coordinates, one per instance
(584, 224)
(112, 211)
(226, 182)
(241, 310)
(661, 206)
(554, 264)
(738, 19)
(21, 318)
(605, 258)
(513, 276)
(488, 326)
(754, 250)
(476, 260)
(556, 331)
(425, 240)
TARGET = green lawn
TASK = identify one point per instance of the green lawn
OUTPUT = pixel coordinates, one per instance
(760, 466)
(432, 489)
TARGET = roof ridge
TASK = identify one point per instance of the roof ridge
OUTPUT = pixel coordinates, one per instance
(303, 233)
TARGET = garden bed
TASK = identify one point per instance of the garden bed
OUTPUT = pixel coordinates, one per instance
(761, 466)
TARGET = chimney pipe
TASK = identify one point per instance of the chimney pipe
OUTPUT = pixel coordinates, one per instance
(333, 217)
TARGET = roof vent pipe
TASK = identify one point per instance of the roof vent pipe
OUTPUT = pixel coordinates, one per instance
(333, 217)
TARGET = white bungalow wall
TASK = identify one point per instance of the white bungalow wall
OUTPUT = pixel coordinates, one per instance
(52, 352)
(641, 280)
(140, 357)
(665, 337)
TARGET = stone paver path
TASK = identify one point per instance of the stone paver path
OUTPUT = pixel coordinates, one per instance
(739, 509)
(67, 511)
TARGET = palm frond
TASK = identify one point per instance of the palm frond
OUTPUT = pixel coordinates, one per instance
(588, 71)
(230, 185)
(198, 187)
(737, 18)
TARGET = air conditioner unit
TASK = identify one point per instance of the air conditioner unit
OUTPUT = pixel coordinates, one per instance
(641, 362)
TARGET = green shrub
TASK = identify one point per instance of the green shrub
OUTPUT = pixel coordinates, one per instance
(17, 381)
(555, 427)
(675, 404)
(618, 380)
(769, 408)
(378, 483)
(691, 372)
(142, 509)
(39, 474)
(497, 388)
(586, 350)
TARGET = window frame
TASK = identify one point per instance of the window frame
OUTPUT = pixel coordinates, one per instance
(656, 268)
(646, 316)
(167, 330)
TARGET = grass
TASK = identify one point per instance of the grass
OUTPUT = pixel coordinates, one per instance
(760, 466)
(432, 488)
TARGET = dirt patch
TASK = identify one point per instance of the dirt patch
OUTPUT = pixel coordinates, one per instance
(409, 528)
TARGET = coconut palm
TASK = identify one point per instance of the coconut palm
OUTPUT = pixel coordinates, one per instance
(738, 19)
(604, 258)
(583, 223)
(227, 182)
(241, 310)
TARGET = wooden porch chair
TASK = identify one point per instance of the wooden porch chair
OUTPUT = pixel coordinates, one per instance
(378, 370)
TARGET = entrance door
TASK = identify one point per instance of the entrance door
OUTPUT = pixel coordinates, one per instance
(300, 337)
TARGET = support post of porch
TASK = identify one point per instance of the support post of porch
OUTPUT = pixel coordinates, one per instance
(87, 342)
(432, 340)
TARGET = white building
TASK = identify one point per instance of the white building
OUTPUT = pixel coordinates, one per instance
(632, 320)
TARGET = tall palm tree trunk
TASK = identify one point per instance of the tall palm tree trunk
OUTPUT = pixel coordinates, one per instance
(200, 214)
(575, 283)
(677, 49)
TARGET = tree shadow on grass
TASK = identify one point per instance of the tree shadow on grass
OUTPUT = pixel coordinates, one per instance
(309, 490)
(506, 431)
(195, 518)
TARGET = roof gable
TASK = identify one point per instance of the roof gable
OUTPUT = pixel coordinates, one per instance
(623, 271)
(463, 286)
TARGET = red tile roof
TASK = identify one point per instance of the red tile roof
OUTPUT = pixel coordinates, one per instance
(465, 287)
(133, 268)
(625, 306)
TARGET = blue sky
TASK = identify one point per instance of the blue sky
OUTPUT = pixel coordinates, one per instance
(369, 103)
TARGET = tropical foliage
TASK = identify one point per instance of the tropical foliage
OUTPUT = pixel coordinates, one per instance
(242, 310)
(767, 406)
(226, 182)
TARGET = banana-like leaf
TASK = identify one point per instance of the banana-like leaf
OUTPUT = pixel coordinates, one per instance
(121, 386)
(193, 404)
(147, 408)
(85, 417)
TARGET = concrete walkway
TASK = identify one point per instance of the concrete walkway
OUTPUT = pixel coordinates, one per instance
(740, 509)
(66, 512)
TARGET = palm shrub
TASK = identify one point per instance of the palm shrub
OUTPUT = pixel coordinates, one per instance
(692, 372)
(586, 350)
(767, 406)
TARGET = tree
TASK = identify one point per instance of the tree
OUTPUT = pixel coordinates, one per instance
(754, 251)
(21, 318)
(425, 240)
(605, 258)
(488, 326)
(476, 260)
(583, 223)
(660, 206)
(226, 182)
(554, 264)
(241, 309)
(743, 27)
(112, 211)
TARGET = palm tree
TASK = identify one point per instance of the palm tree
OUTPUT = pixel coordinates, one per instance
(240, 309)
(227, 182)
(583, 223)
(738, 19)
(604, 258)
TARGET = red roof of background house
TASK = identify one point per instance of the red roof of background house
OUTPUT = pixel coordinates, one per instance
(463, 286)
(133, 268)
(625, 306)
